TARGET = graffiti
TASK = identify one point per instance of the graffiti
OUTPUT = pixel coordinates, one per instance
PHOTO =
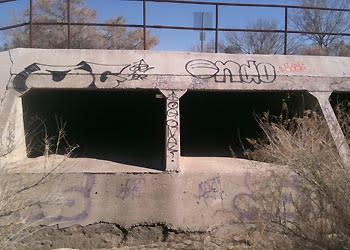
(139, 69)
(172, 123)
(291, 67)
(117, 77)
(19, 81)
(246, 206)
(210, 189)
(131, 188)
(76, 199)
(118, 74)
(136, 71)
(81, 194)
(162, 81)
(199, 83)
(252, 72)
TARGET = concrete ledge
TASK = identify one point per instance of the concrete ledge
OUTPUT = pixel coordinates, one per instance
(202, 196)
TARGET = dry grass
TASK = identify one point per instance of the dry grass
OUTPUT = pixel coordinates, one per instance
(306, 204)
(22, 195)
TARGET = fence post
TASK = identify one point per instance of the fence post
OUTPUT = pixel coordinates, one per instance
(69, 24)
(216, 27)
(285, 29)
(30, 23)
(144, 25)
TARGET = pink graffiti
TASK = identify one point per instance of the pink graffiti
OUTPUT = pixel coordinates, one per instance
(291, 67)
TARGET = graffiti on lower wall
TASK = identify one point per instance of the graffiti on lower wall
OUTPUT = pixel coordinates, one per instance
(230, 71)
(210, 189)
(115, 74)
(131, 188)
(248, 204)
(74, 205)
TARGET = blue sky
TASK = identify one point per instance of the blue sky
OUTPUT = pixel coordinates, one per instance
(166, 14)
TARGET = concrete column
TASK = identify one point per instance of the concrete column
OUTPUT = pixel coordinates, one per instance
(333, 125)
(172, 136)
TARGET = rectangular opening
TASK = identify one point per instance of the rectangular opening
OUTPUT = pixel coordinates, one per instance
(216, 124)
(121, 126)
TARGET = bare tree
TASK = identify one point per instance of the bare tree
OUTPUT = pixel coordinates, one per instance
(258, 42)
(87, 37)
(122, 38)
(322, 21)
(209, 47)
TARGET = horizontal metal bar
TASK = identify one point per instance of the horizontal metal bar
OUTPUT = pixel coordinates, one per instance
(13, 26)
(5, 1)
(245, 5)
(195, 28)
(317, 33)
(89, 24)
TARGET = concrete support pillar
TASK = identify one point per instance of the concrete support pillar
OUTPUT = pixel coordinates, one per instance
(12, 134)
(333, 125)
(172, 136)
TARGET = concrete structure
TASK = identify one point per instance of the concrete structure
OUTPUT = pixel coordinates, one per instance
(187, 192)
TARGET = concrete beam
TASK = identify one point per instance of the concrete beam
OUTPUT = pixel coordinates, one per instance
(108, 69)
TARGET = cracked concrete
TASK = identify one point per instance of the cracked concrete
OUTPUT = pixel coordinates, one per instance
(105, 236)
(5, 73)
(193, 193)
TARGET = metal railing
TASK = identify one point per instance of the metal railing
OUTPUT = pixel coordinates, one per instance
(286, 31)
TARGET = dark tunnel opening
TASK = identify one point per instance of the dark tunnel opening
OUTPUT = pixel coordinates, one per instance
(121, 126)
(216, 124)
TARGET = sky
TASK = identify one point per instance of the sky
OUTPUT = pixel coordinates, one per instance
(167, 14)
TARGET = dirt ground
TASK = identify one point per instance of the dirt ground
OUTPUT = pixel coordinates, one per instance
(104, 236)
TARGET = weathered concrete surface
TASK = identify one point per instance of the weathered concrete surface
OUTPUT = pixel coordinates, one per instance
(193, 193)
(106, 236)
(205, 194)
(5, 73)
(171, 70)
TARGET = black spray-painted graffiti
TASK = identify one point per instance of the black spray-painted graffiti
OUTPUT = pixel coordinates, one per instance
(210, 189)
(19, 81)
(131, 188)
(252, 72)
(122, 73)
(134, 71)
(172, 123)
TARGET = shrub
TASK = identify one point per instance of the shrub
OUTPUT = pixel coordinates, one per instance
(305, 204)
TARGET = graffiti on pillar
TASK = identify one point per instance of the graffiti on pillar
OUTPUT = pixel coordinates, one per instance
(172, 124)
(85, 70)
(230, 71)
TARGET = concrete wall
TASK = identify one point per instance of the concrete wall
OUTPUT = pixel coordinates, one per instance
(193, 193)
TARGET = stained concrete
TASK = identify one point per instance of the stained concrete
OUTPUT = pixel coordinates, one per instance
(192, 193)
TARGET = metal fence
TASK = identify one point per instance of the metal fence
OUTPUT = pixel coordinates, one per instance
(286, 31)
